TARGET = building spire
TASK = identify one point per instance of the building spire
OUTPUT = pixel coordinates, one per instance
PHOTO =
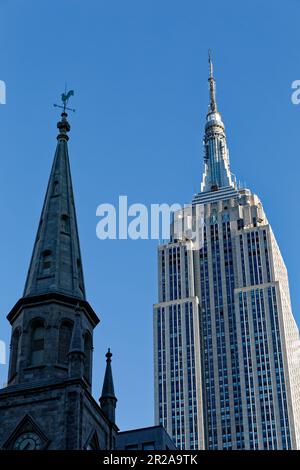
(216, 155)
(212, 85)
(108, 398)
(56, 260)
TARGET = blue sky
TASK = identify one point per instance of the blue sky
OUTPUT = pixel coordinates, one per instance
(139, 71)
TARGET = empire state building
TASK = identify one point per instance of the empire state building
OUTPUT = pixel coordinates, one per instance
(226, 344)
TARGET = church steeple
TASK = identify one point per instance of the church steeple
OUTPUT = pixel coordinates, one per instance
(216, 155)
(48, 401)
(53, 322)
(56, 260)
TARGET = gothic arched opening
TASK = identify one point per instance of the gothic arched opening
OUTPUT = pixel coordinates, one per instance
(37, 343)
(64, 341)
(15, 340)
(88, 346)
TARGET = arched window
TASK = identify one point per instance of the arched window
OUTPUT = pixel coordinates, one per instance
(80, 276)
(37, 343)
(64, 341)
(55, 188)
(93, 443)
(46, 261)
(88, 356)
(14, 351)
(65, 223)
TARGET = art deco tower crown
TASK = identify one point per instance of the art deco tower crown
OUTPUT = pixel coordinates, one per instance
(216, 155)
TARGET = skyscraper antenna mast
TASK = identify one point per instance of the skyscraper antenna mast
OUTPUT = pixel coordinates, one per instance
(211, 70)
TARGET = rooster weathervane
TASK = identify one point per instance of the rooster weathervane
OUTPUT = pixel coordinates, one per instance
(65, 99)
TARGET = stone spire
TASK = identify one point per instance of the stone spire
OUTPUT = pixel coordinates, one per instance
(108, 400)
(216, 155)
(56, 260)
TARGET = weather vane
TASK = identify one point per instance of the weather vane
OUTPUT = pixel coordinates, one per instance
(65, 99)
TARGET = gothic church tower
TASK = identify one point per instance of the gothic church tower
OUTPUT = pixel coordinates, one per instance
(47, 403)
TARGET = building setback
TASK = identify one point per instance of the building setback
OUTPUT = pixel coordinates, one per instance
(226, 344)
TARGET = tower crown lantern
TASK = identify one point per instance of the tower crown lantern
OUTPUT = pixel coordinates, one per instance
(216, 155)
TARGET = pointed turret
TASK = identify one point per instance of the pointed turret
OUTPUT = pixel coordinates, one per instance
(108, 400)
(56, 260)
(216, 155)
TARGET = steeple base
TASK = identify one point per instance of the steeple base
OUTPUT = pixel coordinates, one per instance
(58, 415)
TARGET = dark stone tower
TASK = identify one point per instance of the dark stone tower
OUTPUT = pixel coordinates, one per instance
(48, 401)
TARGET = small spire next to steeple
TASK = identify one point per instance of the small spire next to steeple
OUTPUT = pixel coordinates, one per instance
(108, 399)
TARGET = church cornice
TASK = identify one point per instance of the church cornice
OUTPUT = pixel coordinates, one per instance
(43, 386)
(50, 298)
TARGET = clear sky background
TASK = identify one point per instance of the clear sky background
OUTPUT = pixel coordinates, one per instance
(139, 71)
